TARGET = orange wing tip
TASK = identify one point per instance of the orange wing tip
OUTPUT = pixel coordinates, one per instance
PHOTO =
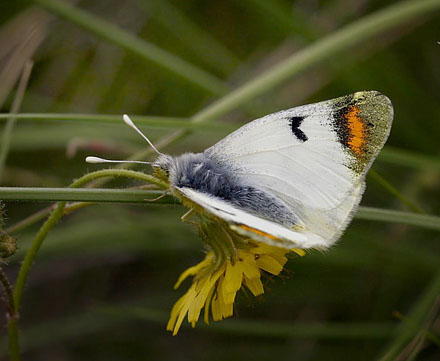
(351, 128)
(356, 129)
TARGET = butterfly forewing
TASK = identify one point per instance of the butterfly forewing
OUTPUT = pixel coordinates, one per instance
(313, 157)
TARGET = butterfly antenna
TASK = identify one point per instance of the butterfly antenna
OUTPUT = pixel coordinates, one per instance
(130, 123)
(95, 160)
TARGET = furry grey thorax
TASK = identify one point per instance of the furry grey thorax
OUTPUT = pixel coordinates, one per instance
(199, 172)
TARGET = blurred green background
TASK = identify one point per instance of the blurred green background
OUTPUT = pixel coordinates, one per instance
(101, 287)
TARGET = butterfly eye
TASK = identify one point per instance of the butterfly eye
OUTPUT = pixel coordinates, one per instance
(161, 171)
(164, 167)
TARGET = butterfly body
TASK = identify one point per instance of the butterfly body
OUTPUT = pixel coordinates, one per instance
(200, 173)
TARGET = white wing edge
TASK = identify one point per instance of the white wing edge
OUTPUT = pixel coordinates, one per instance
(256, 228)
(349, 208)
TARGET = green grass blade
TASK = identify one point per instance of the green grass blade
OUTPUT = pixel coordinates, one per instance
(7, 133)
(391, 155)
(284, 15)
(152, 121)
(390, 188)
(388, 215)
(406, 158)
(81, 195)
(336, 42)
(139, 196)
(135, 45)
(414, 322)
(206, 47)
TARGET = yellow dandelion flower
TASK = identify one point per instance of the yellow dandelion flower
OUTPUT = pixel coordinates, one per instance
(232, 263)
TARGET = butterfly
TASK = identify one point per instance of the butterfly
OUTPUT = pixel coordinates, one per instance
(291, 179)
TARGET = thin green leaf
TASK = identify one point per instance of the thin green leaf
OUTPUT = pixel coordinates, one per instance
(147, 51)
(152, 121)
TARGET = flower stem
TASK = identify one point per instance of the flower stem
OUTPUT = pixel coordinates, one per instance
(31, 254)
(117, 173)
(33, 250)
(8, 291)
(14, 347)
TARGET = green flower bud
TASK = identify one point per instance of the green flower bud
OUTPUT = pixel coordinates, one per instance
(8, 245)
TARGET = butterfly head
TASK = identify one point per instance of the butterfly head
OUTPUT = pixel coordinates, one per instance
(162, 166)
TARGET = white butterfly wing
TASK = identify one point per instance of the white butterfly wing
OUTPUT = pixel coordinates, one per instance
(313, 157)
(249, 225)
(273, 233)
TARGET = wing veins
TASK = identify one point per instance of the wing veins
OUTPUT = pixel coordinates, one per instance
(283, 181)
(237, 156)
(317, 174)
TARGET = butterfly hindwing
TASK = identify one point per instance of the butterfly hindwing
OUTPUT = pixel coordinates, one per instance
(250, 225)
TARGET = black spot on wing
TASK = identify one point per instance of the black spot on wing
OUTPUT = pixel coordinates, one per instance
(295, 122)
(341, 127)
(340, 123)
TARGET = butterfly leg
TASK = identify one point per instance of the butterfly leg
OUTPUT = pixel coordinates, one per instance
(157, 198)
(148, 186)
(186, 216)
